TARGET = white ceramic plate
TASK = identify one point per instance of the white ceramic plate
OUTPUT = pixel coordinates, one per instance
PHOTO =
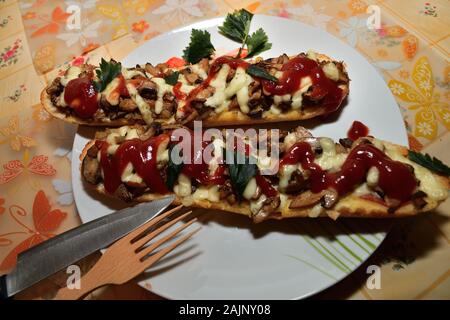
(231, 258)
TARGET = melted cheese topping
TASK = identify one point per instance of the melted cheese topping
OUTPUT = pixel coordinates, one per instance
(239, 86)
(183, 188)
(218, 99)
(251, 189)
(286, 172)
(329, 160)
(331, 71)
(257, 204)
(315, 211)
(110, 94)
(428, 182)
(372, 177)
(196, 69)
(143, 106)
(71, 73)
(162, 89)
(129, 176)
(207, 193)
(129, 74)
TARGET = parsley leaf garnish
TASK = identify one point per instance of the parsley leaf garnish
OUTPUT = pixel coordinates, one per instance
(425, 160)
(259, 72)
(240, 170)
(200, 46)
(108, 72)
(173, 169)
(172, 78)
(257, 43)
(237, 27)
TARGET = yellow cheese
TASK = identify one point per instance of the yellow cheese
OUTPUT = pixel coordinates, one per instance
(316, 211)
(239, 86)
(372, 177)
(196, 69)
(71, 73)
(331, 71)
(311, 55)
(219, 83)
(290, 140)
(129, 176)
(162, 89)
(183, 188)
(286, 172)
(143, 106)
(251, 189)
(207, 193)
(256, 205)
(129, 74)
(110, 94)
(329, 160)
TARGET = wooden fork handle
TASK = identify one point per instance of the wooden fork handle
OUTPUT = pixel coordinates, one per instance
(92, 280)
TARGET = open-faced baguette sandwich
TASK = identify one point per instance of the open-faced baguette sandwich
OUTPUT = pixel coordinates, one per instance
(223, 91)
(314, 177)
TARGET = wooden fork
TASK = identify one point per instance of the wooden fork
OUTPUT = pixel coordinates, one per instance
(127, 258)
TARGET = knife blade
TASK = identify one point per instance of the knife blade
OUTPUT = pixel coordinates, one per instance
(54, 254)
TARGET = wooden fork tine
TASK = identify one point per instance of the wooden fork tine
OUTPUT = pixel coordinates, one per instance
(135, 233)
(155, 245)
(154, 258)
(139, 243)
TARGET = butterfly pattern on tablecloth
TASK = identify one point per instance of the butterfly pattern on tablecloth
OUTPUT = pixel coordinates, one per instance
(12, 134)
(45, 221)
(424, 99)
(37, 165)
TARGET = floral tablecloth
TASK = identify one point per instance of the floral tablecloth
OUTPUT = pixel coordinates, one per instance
(411, 51)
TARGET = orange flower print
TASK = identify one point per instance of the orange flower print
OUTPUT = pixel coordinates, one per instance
(357, 6)
(395, 31)
(2, 202)
(140, 26)
(424, 99)
(410, 45)
(403, 74)
(12, 134)
(29, 15)
(45, 221)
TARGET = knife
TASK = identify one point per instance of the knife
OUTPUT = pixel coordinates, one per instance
(54, 254)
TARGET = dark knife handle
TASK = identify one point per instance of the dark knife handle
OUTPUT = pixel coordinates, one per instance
(3, 288)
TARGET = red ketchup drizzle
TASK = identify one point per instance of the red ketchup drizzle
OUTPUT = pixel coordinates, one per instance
(121, 89)
(266, 187)
(297, 68)
(80, 95)
(198, 169)
(357, 130)
(180, 95)
(395, 178)
(141, 154)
